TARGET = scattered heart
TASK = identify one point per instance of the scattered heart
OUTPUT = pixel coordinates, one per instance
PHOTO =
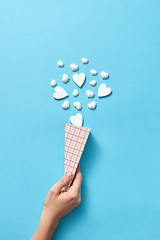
(65, 78)
(77, 120)
(77, 105)
(93, 72)
(75, 93)
(60, 63)
(104, 75)
(53, 83)
(79, 79)
(93, 83)
(65, 105)
(92, 105)
(89, 94)
(104, 90)
(74, 67)
(59, 93)
(84, 60)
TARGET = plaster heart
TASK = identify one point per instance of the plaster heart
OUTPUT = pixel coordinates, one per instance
(75, 93)
(89, 94)
(93, 83)
(77, 120)
(65, 105)
(60, 63)
(104, 90)
(59, 93)
(84, 60)
(104, 75)
(65, 78)
(74, 67)
(53, 83)
(93, 72)
(92, 105)
(79, 79)
(77, 105)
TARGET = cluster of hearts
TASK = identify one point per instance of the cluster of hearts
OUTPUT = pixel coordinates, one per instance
(79, 80)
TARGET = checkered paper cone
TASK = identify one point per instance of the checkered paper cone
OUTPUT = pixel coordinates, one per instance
(75, 141)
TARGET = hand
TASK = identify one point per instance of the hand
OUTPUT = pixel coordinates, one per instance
(57, 204)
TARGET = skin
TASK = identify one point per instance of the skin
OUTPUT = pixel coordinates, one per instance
(57, 204)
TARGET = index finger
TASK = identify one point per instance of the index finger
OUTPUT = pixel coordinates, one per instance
(76, 185)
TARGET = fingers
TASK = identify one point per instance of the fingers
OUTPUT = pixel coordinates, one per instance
(76, 186)
(63, 182)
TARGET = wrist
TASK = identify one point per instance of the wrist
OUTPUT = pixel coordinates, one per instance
(48, 220)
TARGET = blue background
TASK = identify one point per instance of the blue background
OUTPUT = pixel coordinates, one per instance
(120, 164)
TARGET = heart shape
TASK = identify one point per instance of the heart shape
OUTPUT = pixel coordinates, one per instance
(59, 93)
(75, 93)
(53, 83)
(104, 90)
(89, 94)
(93, 83)
(104, 75)
(76, 120)
(74, 67)
(77, 105)
(65, 78)
(92, 105)
(65, 105)
(93, 72)
(79, 79)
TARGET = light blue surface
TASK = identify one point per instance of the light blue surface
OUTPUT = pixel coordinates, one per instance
(121, 162)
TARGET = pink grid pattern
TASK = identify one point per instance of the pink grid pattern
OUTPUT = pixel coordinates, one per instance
(75, 141)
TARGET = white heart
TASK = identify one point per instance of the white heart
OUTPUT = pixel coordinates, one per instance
(60, 63)
(65, 78)
(53, 83)
(65, 105)
(104, 90)
(93, 83)
(104, 75)
(76, 120)
(84, 60)
(75, 93)
(77, 105)
(92, 105)
(93, 72)
(89, 94)
(74, 67)
(79, 79)
(59, 93)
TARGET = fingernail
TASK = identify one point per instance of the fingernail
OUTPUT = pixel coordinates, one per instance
(69, 174)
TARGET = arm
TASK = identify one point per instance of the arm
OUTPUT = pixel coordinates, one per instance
(57, 204)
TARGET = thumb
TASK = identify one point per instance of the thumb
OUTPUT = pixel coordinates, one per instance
(63, 182)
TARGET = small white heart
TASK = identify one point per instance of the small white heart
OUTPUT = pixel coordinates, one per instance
(89, 94)
(84, 60)
(65, 78)
(59, 93)
(93, 72)
(75, 93)
(104, 90)
(60, 63)
(93, 83)
(65, 105)
(79, 79)
(74, 67)
(92, 105)
(104, 75)
(77, 120)
(53, 83)
(77, 105)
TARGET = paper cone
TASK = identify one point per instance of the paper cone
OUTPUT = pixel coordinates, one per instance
(75, 141)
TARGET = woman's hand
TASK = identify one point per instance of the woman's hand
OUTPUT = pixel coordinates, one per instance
(57, 204)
